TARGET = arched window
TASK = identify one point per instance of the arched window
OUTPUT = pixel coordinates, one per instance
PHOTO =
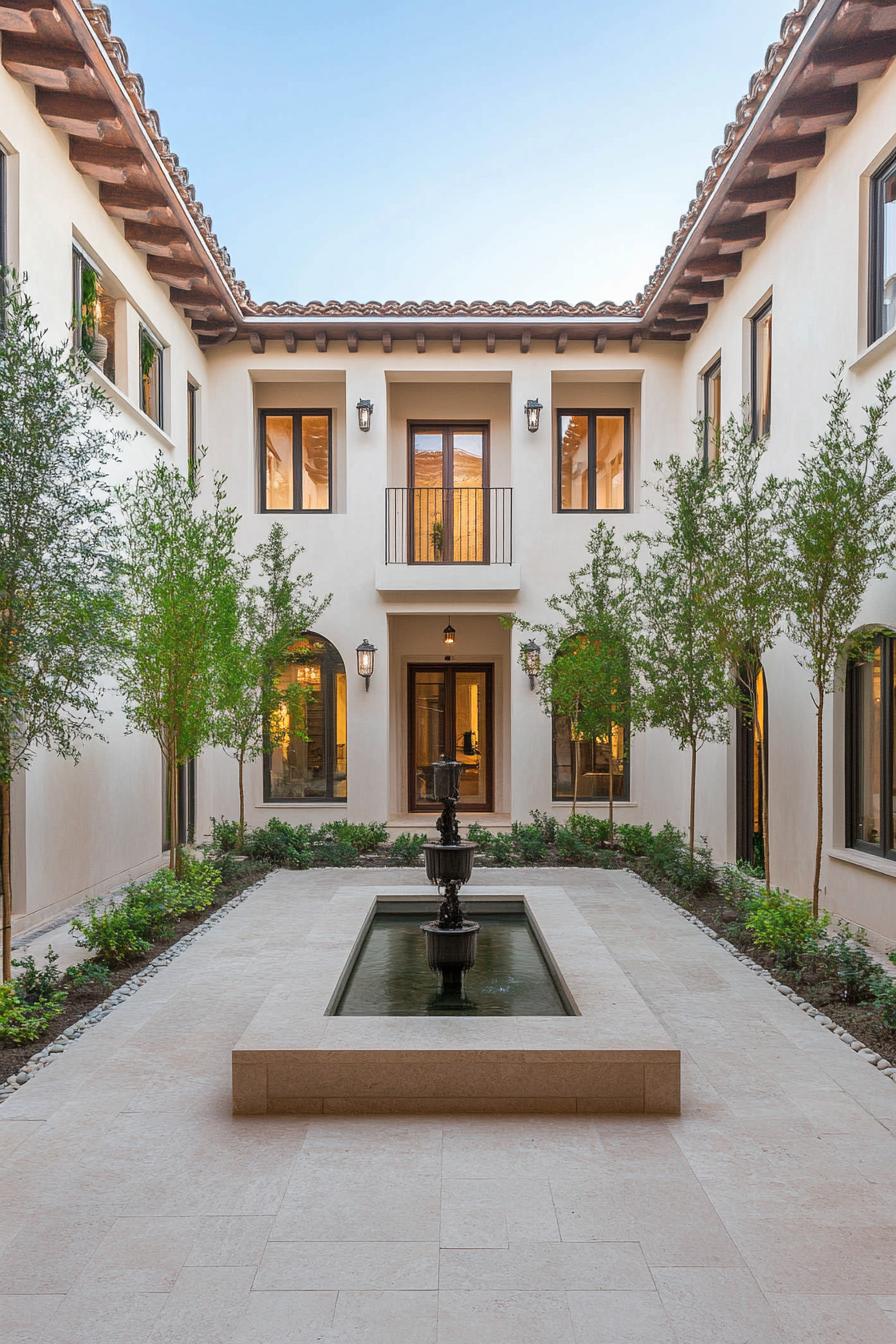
(870, 732)
(308, 761)
(751, 740)
(581, 762)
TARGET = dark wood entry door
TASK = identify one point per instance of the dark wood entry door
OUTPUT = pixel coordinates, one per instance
(751, 740)
(450, 712)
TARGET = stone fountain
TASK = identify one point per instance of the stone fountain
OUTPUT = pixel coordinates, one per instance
(451, 939)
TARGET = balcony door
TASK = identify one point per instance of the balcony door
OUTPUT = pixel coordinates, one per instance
(450, 713)
(448, 474)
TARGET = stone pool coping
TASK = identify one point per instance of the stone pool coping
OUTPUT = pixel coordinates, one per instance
(611, 1056)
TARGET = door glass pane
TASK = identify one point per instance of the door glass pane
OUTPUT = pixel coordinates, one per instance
(888, 252)
(892, 761)
(428, 690)
(427, 502)
(758, 749)
(869, 766)
(340, 764)
(762, 374)
(610, 462)
(471, 745)
(315, 462)
(278, 461)
(574, 462)
(468, 512)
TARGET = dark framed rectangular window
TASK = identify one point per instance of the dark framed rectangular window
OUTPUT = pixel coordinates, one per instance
(4, 205)
(192, 425)
(870, 729)
(712, 411)
(761, 370)
(593, 467)
(152, 371)
(295, 461)
(93, 313)
(882, 258)
(580, 767)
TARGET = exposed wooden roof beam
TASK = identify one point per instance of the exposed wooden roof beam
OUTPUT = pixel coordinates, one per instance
(387, 342)
(600, 342)
(420, 339)
(785, 156)
(138, 203)
(172, 272)
(116, 164)
(634, 342)
(48, 67)
(755, 198)
(456, 342)
(202, 301)
(818, 109)
(291, 341)
(160, 240)
(688, 310)
(697, 291)
(21, 16)
(736, 234)
(351, 341)
(525, 342)
(256, 342)
(321, 340)
(560, 342)
(201, 326)
(490, 341)
(677, 324)
(713, 266)
(852, 61)
(92, 118)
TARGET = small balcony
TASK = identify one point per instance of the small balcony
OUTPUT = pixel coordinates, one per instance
(444, 538)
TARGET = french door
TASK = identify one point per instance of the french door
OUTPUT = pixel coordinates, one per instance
(448, 474)
(450, 713)
(751, 744)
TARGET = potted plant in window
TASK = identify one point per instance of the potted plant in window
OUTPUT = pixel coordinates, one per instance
(437, 537)
(148, 355)
(93, 342)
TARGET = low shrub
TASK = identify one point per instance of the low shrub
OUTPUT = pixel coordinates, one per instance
(407, 849)
(147, 911)
(21, 1022)
(281, 844)
(334, 852)
(36, 983)
(110, 933)
(225, 835)
(88, 975)
(857, 973)
(528, 842)
(633, 840)
(594, 831)
(197, 886)
(547, 824)
(571, 848)
(784, 926)
(480, 837)
(365, 837)
(885, 1000)
(669, 858)
(501, 853)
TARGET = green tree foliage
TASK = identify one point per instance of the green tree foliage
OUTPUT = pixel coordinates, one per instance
(840, 534)
(687, 687)
(744, 526)
(587, 674)
(272, 615)
(178, 602)
(57, 545)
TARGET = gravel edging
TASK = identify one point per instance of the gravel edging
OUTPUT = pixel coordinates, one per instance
(48, 1053)
(871, 1056)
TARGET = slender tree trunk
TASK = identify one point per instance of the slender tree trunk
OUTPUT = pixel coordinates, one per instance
(6, 870)
(241, 760)
(173, 837)
(610, 787)
(819, 796)
(575, 773)
(693, 807)
(763, 775)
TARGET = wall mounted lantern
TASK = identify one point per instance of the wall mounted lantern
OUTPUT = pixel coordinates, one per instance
(531, 660)
(448, 633)
(365, 414)
(366, 653)
(533, 415)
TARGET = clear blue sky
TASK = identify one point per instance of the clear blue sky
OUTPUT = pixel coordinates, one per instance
(477, 149)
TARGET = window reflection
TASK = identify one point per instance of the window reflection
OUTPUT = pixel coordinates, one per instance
(593, 460)
(296, 461)
(762, 371)
(309, 739)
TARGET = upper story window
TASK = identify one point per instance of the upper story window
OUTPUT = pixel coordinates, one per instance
(593, 461)
(296, 461)
(152, 361)
(93, 313)
(882, 262)
(761, 370)
(4, 198)
(712, 411)
(192, 425)
(870, 730)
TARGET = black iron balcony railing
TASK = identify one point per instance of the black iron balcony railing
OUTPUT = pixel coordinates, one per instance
(463, 525)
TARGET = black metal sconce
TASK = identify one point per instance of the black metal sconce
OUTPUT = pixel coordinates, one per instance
(448, 634)
(533, 415)
(531, 660)
(366, 655)
(365, 415)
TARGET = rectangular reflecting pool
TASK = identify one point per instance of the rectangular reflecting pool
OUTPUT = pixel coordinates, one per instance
(390, 976)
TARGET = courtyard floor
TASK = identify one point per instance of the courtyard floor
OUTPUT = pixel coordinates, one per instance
(135, 1208)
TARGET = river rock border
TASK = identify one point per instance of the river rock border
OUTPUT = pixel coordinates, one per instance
(871, 1056)
(48, 1053)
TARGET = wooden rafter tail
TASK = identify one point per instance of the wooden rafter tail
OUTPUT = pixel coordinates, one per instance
(22, 16)
(352, 341)
(525, 342)
(117, 165)
(817, 109)
(90, 118)
(854, 61)
(160, 240)
(35, 62)
(201, 302)
(256, 342)
(321, 341)
(127, 201)
(787, 156)
(560, 342)
(291, 341)
(713, 267)
(734, 235)
(600, 342)
(173, 272)
(772, 193)
(687, 310)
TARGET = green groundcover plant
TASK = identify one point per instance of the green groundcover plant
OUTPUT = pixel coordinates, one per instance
(118, 932)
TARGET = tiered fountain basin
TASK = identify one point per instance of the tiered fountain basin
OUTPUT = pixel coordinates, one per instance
(579, 1039)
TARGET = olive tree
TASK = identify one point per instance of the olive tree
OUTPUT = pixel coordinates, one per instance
(57, 545)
